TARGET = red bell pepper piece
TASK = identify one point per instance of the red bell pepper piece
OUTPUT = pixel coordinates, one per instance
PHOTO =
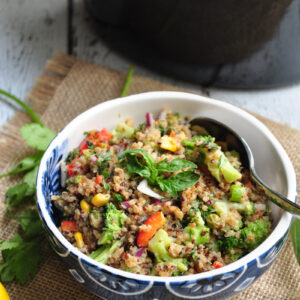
(69, 226)
(70, 169)
(217, 265)
(153, 223)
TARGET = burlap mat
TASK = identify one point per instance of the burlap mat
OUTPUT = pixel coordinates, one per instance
(68, 87)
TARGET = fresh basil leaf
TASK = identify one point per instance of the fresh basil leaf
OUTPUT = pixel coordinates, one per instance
(134, 166)
(147, 157)
(25, 164)
(37, 136)
(179, 182)
(175, 165)
(295, 235)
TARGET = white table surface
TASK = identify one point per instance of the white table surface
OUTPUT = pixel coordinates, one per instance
(31, 31)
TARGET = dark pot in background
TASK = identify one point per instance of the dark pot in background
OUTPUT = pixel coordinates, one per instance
(233, 43)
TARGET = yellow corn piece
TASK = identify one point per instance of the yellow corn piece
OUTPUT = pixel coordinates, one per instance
(85, 206)
(79, 239)
(100, 199)
(168, 143)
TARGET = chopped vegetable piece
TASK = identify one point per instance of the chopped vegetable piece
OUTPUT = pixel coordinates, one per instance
(85, 206)
(198, 234)
(79, 240)
(236, 193)
(153, 223)
(104, 135)
(168, 143)
(98, 179)
(217, 265)
(100, 199)
(159, 244)
(69, 226)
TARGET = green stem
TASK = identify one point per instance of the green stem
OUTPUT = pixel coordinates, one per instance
(127, 81)
(14, 172)
(30, 112)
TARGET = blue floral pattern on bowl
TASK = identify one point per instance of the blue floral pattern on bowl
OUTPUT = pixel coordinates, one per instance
(110, 285)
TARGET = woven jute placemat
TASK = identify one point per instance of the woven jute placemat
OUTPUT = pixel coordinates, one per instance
(69, 86)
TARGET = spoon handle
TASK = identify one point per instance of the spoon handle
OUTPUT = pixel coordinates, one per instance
(277, 198)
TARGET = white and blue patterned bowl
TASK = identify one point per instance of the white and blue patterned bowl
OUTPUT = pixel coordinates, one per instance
(271, 162)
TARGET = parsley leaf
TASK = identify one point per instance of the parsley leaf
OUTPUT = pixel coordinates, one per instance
(37, 136)
(20, 259)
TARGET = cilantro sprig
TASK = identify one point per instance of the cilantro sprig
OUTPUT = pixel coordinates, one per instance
(22, 253)
(140, 162)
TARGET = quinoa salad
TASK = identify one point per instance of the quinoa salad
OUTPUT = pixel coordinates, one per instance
(161, 198)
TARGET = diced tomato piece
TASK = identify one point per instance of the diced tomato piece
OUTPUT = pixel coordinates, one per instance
(153, 223)
(104, 135)
(217, 265)
(83, 145)
(69, 226)
(98, 179)
(70, 169)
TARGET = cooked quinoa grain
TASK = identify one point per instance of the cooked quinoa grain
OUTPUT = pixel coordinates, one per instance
(160, 199)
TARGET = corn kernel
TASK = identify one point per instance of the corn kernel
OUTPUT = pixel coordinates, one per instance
(100, 199)
(168, 143)
(85, 206)
(79, 239)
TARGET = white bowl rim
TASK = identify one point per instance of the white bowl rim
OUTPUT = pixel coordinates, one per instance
(278, 232)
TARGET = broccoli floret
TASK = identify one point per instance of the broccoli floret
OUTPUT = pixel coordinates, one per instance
(255, 233)
(199, 234)
(194, 216)
(102, 254)
(250, 237)
(114, 218)
(232, 219)
(114, 221)
(230, 243)
(159, 244)
(213, 220)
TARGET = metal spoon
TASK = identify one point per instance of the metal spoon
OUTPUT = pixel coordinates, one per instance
(223, 133)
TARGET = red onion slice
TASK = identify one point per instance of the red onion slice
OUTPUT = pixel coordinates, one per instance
(139, 253)
(126, 205)
(63, 174)
(144, 188)
(149, 119)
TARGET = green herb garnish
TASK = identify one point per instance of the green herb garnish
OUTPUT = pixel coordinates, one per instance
(140, 162)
